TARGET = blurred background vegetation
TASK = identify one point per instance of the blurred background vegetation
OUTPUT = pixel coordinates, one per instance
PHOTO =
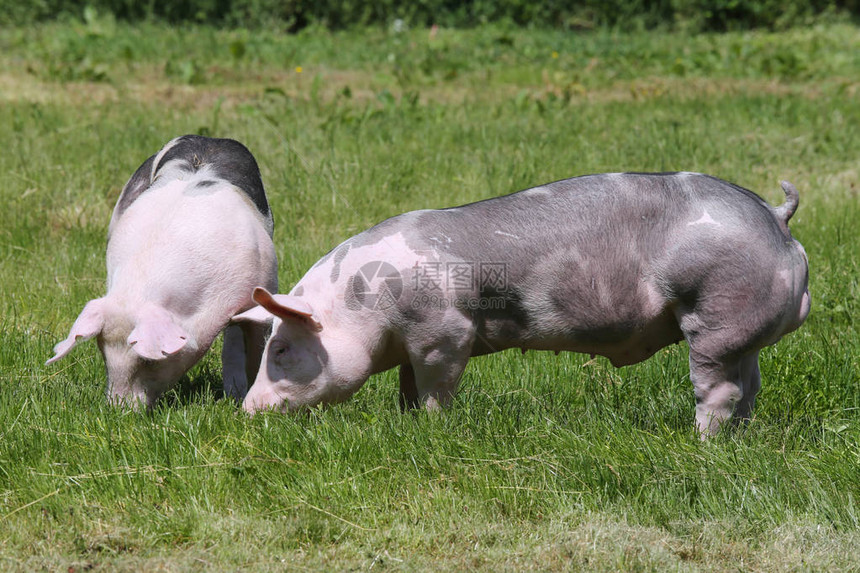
(294, 15)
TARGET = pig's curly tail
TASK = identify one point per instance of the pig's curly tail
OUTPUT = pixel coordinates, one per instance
(792, 200)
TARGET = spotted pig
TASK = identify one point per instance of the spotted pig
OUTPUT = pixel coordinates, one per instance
(618, 265)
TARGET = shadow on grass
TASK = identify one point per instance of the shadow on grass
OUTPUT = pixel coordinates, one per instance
(200, 386)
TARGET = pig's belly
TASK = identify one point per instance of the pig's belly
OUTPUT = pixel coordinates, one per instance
(620, 343)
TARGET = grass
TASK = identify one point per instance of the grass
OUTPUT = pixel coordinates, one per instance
(543, 462)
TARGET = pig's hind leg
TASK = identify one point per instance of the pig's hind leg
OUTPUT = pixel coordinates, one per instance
(751, 377)
(727, 316)
(723, 365)
(241, 356)
(233, 363)
(408, 389)
(725, 388)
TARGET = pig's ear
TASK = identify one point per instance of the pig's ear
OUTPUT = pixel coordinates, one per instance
(257, 315)
(156, 336)
(88, 324)
(286, 307)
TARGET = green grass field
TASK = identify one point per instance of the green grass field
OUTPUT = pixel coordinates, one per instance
(543, 462)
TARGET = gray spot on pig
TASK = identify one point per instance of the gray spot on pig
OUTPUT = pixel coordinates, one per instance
(298, 291)
(339, 256)
(350, 300)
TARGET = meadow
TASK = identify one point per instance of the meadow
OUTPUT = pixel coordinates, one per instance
(543, 462)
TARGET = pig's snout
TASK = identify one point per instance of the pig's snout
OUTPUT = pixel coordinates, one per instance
(130, 398)
(259, 398)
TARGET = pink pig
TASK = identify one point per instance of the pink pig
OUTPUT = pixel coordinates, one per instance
(189, 239)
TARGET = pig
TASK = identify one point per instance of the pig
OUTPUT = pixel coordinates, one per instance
(189, 239)
(618, 265)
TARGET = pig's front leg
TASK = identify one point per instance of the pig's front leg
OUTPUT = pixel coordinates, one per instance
(436, 365)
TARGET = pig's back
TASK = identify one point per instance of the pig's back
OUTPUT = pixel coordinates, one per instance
(209, 160)
(629, 215)
(181, 242)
